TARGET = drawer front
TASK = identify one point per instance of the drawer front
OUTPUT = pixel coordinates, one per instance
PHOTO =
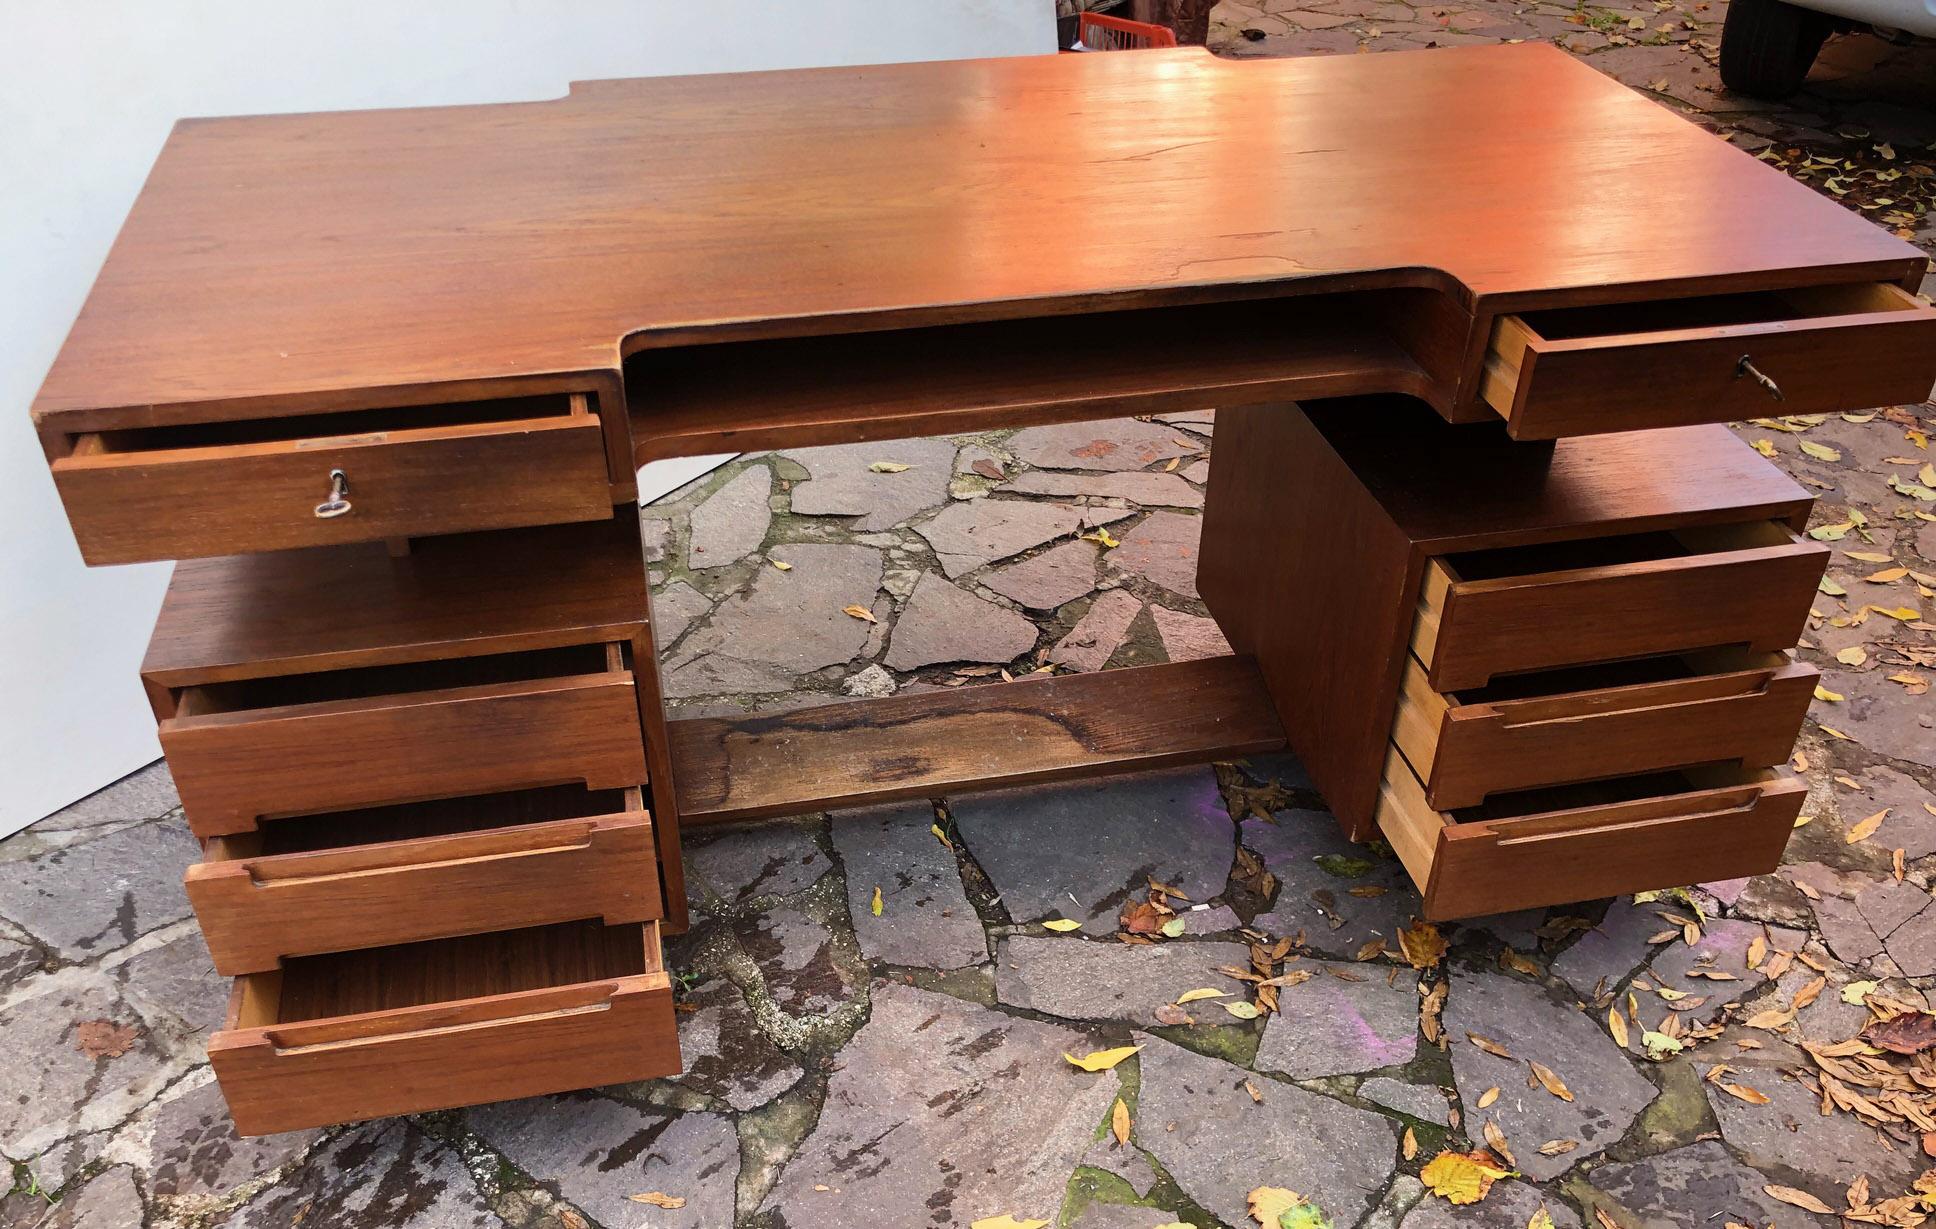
(255, 911)
(1494, 866)
(1552, 388)
(184, 503)
(1756, 596)
(1463, 752)
(445, 1055)
(233, 768)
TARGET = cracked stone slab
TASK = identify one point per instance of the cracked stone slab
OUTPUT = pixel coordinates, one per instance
(943, 1112)
(1792, 1133)
(840, 482)
(1509, 1205)
(18, 959)
(775, 858)
(1877, 715)
(1121, 1216)
(1081, 979)
(1619, 946)
(1337, 1025)
(1096, 637)
(944, 623)
(1113, 445)
(1317, 870)
(1151, 490)
(1082, 848)
(1909, 825)
(110, 1200)
(1051, 579)
(54, 1090)
(1700, 1184)
(1128, 1163)
(732, 522)
(1163, 550)
(1425, 1102)
(926, 920)
(177, 978)
(1188, 637)
(87, 899)
(196, 1151)
(725, 1053)
(966, 536)
(147, 793)
(596, 1152)
(1862, 915)
(673, 610)
(788, 623)
(797, 956)
(383, 1175)
(1224, 1144)
(1519, 1015)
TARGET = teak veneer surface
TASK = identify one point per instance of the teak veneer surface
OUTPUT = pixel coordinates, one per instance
(299, 263)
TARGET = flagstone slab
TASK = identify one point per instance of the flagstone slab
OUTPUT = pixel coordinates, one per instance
(1150, 490)
(1605, 956)
(725, 1053)
(195, 1150)
(1051, 579)
(966, 536)
(674, 608)
(732, 522)
(1112, 444)
(177, 978)
(146, 793)
(773, 858)
(1317, 870)
(1163, 550)
(944, 623)
(1700, 1184)
(1080, 849)
(1509, 1205)
(92, 897)
(1337, 1025)
(597, 1152)
(52, 1087)
(798, 957)
(925, 919)
(1121, 1216)
(110, 1200)
(842, 482)
(1608, 1093)
(1099, 633)
(1910, 825)
(1188, 637)
(381, 1175)
(1086, 979)
(1425, 1102)
(942, 1112)
(1792, 1133)
(1196, 1117)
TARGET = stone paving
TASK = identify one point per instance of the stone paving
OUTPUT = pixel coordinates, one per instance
(906, 1067)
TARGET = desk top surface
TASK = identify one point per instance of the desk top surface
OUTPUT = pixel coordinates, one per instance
(275, 259)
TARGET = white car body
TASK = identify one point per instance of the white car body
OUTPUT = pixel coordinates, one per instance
(1917, 17)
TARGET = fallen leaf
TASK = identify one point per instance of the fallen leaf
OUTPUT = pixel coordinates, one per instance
(988, 469)
(1061, 925)
(1617, 1026)
(875, 904)
(1119, 1122)
(1854, 655)
(1856, 991)
(1462, 1177)
(1102, 1060)
(1659, 1046)
(888, 467)
(1541, 1219)
(1821, 452)
(1823, 693)
(1408, 1144)
(1800, 1199)
(1765, 447)
(1550, 1082)
(1757, 948)
(1242, 1010)
(1558, 1147)
(1912, 1032)
(1256, 1094)
(659, 1199)
(1865, 828)
(1191, 996)
(1170, 1013)
(1487, 1097)
(1102, 535)
(941, 836)
(1497, 1139)
(1489, 1046)
(1741, 1092)
(1422, 945)
(1005, 1221)
(1172, 928)
(781, 564)
(104, 1038)
(1886, 576)
(859, 612)
(1268, 1203)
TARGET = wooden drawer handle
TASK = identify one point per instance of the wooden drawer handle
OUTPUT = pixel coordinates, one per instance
(382, 1028)
(1744, 366)
(338, 503)
(1649, 814)
(564, 837)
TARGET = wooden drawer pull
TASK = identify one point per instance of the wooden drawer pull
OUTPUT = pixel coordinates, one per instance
(288, 1041)
(338, 503)
(1650, 813)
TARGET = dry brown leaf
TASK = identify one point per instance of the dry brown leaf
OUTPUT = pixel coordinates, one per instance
(1518, 963)
(1799, 1199)
(1497, 1139)
(1757, 948)
(1487, 1097)
(1910, 1032)
(1617, 1027)
(104, 1038)
(1741, 1092)
(1422, 945)
(1489, 1046)
(1549, 1081)
(659, 1199)
(1256, 1094)
(1558, 1147)
(1808, 994)
(1170, 1013)
(860, 612)
(1865, 828)
(1119, 1122)
(1431, 1002)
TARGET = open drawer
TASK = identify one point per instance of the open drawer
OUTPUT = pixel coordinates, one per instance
(1560, 726)
(1583, 842)
(424, 870)
(427, 1026)
(223, 488)
(1620, 367)
(300, 743)
(1515, 609)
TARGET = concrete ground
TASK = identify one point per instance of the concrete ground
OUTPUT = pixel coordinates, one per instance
(1675, 1062)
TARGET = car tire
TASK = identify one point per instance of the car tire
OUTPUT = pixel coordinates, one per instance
(1767, 46)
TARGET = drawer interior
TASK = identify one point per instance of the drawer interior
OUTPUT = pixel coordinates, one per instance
(1519, 804)
(1679, 543)
(443, 971)
(1716, 311)
(1633, 672)
(333, 425)
(369, 681)
(413, 820)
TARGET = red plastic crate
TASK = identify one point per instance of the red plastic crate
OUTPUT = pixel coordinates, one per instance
(1099, 32)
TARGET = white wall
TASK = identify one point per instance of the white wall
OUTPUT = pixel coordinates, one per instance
(88, 89)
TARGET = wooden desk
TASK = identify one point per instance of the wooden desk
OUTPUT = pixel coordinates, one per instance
(464, 326)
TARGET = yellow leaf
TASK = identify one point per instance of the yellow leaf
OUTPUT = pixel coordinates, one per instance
(1765, 447)
(1864, 829)
(1191, 996)
(1886, 576)
(1831, 588)
(1541, 1219)
(1462, 1177)
(875, 904)
(1487, 1097)
(1821, 452)
(1906, 614)
(1617, 1026)
(781, 564)
(1061, 925)
(1823, 693)
(1269, 1203)
(1832, 732)
(1854, 655)
(1867, 556)
(1800, 1199)
(1549, 1081)
(1422, 944)
(1102, 1060)
(1102, 535)
(888, 467)
(1831, 533)
(1856, 991)
(859, 612)
(1242, 1010)
(941, 836)
(1119, 1122)
(1005, 1221)
(659, 1199)
(1408, 1144)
